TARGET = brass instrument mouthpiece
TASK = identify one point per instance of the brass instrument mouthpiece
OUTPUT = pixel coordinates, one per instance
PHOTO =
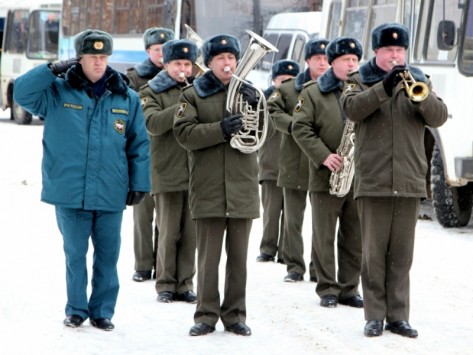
(227, 69)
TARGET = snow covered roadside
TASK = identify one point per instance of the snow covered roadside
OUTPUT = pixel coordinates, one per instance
(285, 318)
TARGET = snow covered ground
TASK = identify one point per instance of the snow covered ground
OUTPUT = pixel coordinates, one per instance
(285, 318)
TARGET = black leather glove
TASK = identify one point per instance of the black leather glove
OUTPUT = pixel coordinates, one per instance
(231, 124)
(392, 78)
(249, 94)
(134, 197)
(62, 66)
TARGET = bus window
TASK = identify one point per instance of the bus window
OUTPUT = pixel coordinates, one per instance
(334, 20)
(441, 10)
(17, 23)
(267, 60)
(298, 52)
(283, 45)
(354, 24)
(43, 35)
(466, 56)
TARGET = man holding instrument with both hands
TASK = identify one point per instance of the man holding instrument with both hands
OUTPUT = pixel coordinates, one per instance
(390, 171)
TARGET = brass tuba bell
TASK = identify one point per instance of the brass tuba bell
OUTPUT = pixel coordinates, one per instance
(415, 90)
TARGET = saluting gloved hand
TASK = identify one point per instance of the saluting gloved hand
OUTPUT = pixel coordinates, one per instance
(134, 197)
(231, 124)
(63, 65)
(392, 78)
(249, 94)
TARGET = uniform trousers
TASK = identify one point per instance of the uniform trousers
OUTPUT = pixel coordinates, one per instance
(175, 267)
(388, 233)
(295, 202)
(273, 218)
(145, 247)
(76, 226)
(327, 210)
(210, 236)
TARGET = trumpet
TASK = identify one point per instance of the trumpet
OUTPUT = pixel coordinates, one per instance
(415, 90)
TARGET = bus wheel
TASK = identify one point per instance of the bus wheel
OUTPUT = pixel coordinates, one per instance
(19, 115)
(452, 205)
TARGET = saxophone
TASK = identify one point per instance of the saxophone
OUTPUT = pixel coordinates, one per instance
(340, 181)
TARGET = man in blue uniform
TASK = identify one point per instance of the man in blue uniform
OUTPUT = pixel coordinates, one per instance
(95, 162)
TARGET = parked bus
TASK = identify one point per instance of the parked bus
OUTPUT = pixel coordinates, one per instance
(127, 20)
(30, 37)
(441, 44)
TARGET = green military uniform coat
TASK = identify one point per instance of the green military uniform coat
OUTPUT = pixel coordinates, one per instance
(318, 128)
(293, 172)
(170, 183)
(390, 169)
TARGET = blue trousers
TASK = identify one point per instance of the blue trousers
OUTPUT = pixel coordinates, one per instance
(76, 226)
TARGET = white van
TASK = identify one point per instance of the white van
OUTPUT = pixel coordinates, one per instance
(289, 32)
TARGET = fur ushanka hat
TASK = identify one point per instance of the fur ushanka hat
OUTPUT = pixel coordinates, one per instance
(157, 35)
(341, 46)
(390, 34)
(220, 44)
(93, 42)
(284, 67)
(179, 49)
(315, 46)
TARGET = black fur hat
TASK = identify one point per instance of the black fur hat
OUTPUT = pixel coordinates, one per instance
(315, 46)
(285, 67)
(157, 35)
(220, 44)
(179, 49)
(390, 34)
(93, 42)
(341, 46)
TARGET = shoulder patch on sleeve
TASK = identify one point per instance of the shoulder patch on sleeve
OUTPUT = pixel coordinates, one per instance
(144, 101)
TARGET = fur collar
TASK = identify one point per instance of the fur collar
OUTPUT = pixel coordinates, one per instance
(301, 79)
(147, 69)
(208, 84)
(267, 93)
(329, 82)
(162, 82)
(370, 73)
(115, 82)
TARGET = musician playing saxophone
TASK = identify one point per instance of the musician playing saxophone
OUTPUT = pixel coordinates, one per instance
(318, 128)
(390, 170)
(223, 190)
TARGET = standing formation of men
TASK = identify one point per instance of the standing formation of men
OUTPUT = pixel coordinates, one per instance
(205, 191)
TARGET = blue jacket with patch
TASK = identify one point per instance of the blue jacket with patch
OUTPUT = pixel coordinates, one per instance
(95, 150)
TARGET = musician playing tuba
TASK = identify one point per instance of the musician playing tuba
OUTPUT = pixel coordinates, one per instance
(223, 187)
(318, 128)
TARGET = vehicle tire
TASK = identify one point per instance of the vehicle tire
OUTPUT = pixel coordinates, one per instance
(19, 115)
(452, 205)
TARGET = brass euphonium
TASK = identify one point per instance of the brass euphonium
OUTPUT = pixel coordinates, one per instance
(194, 37)
(417, 91)
(250, 137)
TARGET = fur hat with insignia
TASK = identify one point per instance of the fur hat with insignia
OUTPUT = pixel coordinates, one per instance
(285, 67)
(179, 49)
(341, 46)
(315, 46)
(220, 44)
(93, 42)
(390, 34)
(157, 35)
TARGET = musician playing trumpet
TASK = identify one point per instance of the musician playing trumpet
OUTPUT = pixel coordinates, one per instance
(318, 128)
(390, 171)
